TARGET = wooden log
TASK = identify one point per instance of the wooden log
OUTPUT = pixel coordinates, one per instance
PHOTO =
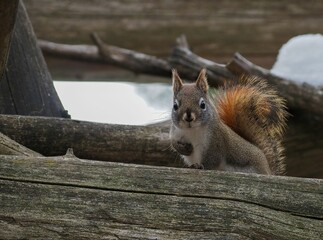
(27, 87)
(79, 52)
(146, 145)
(8, 11)
(102, 53)
(108, 142)
(10, 147)
(65, 197)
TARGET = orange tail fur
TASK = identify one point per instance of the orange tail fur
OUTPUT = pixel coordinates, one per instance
(255, 112)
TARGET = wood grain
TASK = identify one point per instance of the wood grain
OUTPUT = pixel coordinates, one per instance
(65, 197)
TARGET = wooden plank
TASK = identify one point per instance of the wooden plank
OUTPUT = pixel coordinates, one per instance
(64, 197)
(216, 29)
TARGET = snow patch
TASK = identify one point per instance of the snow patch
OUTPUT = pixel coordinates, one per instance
(301, 60)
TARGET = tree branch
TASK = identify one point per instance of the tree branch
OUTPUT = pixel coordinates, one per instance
(132, 60)
(299, 96)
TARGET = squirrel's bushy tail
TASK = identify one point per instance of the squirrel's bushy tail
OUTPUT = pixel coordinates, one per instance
(254, 111)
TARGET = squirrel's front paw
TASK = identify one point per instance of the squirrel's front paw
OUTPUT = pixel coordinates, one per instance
(183, 148)
(197, 166)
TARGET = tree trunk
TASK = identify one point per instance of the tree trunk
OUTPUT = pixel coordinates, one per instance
(69, 198)
(26, 87)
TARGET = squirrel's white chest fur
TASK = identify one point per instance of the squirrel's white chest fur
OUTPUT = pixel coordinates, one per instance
(198, 138)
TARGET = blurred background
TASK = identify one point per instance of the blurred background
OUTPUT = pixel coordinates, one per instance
(215, 30)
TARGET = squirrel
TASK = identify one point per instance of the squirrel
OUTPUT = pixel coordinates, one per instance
(239, 128)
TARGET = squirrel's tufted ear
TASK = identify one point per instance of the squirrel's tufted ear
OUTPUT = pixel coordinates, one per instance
(201, 81)
(177, 81)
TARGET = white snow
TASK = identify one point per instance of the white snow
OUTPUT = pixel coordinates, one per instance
(114, 102)
(301, 59)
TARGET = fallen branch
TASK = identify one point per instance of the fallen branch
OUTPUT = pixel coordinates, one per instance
(128, 59)
(299, 96)
(79, 52)
(131, 60)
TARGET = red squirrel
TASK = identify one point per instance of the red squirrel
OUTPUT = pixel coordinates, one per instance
(239, 128)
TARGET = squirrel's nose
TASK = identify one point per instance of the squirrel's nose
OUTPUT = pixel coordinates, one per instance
(188, 116)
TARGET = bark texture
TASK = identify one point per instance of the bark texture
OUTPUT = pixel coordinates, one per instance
(26, 87)
(108, 142)
(69, 198)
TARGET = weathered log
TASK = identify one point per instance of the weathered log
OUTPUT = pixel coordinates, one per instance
(8, 10)
(145, 145)
(65, 197)
(10, 147)
(108, 142)
(26, 87)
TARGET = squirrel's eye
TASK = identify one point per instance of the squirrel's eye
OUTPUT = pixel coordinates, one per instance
(202, 104)
(175, 106)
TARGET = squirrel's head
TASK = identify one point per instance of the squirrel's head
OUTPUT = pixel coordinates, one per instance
(191, 106)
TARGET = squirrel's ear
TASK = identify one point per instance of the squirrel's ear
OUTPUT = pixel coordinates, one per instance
(177, 81)
(201, 81)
